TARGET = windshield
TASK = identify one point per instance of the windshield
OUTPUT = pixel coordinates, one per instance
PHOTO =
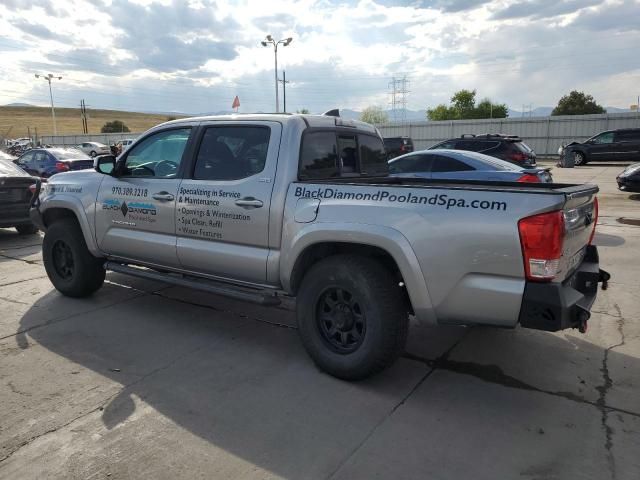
(8, 168)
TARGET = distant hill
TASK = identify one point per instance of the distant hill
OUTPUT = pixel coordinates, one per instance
(18, 104)
(21, 121)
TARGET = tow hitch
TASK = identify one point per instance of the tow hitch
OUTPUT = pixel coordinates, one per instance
(604, 277)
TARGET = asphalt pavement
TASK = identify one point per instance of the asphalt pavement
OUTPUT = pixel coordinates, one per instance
(144, 380)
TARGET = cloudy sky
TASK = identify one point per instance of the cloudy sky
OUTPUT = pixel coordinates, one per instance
(195, 55)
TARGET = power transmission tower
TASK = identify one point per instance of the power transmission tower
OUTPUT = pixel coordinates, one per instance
(399, 90)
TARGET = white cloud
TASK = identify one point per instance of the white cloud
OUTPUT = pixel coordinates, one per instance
(196, 56)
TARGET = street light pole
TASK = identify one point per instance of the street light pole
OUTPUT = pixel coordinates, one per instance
(270, 41)
(48, 78)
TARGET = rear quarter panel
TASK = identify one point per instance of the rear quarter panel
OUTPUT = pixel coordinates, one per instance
(465, 265)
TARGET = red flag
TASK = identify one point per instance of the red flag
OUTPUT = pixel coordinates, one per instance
(236, 103)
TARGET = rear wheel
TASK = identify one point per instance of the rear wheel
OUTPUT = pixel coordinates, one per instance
(351, 316)
(579, 158)
(93, 154)
(69, 264)
(26, 229)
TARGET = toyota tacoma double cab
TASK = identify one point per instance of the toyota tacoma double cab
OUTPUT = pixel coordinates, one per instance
(262, 207)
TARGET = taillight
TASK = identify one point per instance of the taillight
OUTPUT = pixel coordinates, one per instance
(541, 238)
(403, 148)
(62, 167)
(529, 178)
(595, 220)
(32, 188)
(518, 156)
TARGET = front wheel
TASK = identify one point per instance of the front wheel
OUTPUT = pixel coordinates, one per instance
(579, 158)
(352, 319)
(70, 266)
(93, 154)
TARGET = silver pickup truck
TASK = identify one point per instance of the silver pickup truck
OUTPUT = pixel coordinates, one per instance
(259, 207)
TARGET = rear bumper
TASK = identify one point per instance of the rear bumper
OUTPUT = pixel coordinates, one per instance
(558, 306)
(11, 216)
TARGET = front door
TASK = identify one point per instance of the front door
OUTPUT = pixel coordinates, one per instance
(604, 147)
(135, 212)
(222, 219)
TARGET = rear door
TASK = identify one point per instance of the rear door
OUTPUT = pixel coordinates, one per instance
(222, 220)
(135, 212)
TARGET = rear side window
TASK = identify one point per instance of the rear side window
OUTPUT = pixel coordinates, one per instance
(447, 145)
(232, 152)
(628, 136)
(318, 158)
(373, 157)
(447, 164)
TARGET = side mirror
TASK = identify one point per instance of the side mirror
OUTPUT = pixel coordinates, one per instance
(104, 164)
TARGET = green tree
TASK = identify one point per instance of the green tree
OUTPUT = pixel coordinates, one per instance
(463, 106)
(441, 112)
(303, 110)
(577, 103)
(116, 126)
(374, 115)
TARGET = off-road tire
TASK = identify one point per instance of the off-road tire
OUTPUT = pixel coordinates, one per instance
(26, 229)
(379, 299)
(83, 274)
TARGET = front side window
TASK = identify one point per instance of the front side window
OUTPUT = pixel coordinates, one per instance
(232, 152)
(318, 158)
(411, 164)
(158, 155)
(604, 138)
(26, 159)
(448, 164)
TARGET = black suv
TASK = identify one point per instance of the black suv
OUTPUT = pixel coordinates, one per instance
(505, 147)
(396, 146)
(614, 145)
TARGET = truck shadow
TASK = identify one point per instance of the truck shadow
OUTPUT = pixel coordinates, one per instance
(243, 382)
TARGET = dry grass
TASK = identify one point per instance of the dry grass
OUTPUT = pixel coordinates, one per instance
(68, 120)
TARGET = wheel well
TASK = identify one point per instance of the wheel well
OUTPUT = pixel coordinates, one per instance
(56, 214)
(319, 251)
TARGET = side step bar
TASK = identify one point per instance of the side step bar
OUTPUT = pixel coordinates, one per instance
(227, 290)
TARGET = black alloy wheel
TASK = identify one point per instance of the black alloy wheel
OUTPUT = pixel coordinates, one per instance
(63, 260)
(341, 320)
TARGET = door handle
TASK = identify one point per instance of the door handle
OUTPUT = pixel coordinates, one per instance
(163, 196)
(249, 202)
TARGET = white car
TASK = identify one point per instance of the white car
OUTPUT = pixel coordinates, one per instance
(126, 143)
(93, 148)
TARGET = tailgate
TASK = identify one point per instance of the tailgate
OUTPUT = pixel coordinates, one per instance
(580, 216)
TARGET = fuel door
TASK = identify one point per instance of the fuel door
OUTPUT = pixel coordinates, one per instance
(306, 210)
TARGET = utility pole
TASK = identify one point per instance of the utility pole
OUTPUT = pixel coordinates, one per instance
(284, 42)
(284, 82)
(83, 115)
(48, 78)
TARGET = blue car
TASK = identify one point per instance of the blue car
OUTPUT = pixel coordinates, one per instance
(45, 162)
(463, 165)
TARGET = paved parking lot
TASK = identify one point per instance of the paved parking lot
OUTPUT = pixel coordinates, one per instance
(148, 381)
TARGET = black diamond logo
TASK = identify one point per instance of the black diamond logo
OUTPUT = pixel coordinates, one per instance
(124, 209)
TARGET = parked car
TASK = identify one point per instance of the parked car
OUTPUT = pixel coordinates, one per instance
(6, 156)
(461, 165)
(45, 162)
(255, 207)
(613, 145)
(629, 179)
(16, 191)
(93, 148)
(510, 148)
(396, 146)
(126, 143)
